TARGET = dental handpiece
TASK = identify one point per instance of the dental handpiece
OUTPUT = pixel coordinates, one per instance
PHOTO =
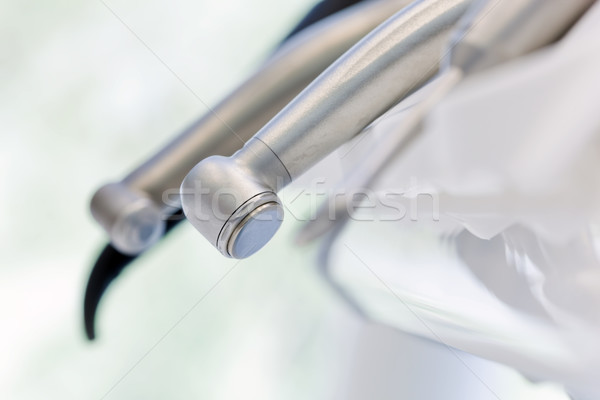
(134, 211)
(492, 32)
(232, 201)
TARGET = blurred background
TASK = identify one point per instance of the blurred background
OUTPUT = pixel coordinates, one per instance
(87, 91)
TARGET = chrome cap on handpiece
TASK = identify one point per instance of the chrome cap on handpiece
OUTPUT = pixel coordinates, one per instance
(232, 201)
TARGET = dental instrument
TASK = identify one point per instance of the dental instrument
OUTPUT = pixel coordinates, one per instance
(388, 64)
(134, 211)
(135, 205)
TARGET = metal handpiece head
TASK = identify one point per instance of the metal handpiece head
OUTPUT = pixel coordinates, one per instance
(134, 222)
(232, 201)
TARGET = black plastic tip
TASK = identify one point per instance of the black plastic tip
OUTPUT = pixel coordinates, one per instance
(109, 265)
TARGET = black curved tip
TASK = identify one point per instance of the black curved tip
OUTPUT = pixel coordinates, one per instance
(108, 266)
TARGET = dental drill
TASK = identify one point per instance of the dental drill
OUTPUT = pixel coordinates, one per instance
(371, 77)
(392, 61)
(134, 211)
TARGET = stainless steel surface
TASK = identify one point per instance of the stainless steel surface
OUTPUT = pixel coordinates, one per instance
(492, 32)
(255, 230)
(392, 61)
(497, 30)
(384, 67)
(132, 220)
(231, 123)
